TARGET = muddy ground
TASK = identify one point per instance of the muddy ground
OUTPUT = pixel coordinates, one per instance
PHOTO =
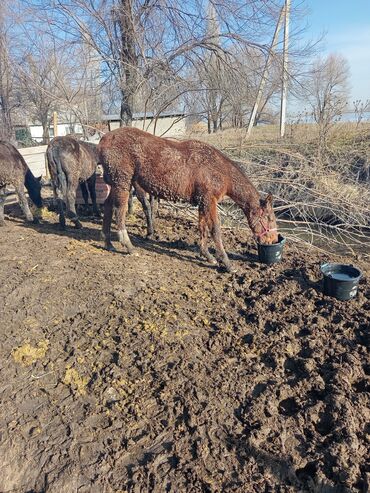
(158, 373)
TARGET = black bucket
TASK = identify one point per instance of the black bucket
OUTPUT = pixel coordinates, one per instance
(340, 280)
(270, 254)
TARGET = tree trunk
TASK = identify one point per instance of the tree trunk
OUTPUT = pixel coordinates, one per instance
(126, 110)
(128, 62)
(6, 127)
(45, 131)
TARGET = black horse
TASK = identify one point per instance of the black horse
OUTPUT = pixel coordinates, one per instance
(72, 162)
(14, 171)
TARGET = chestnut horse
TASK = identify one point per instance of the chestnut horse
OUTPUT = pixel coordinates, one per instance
(191, 171)
(72, 162)
(14, 171)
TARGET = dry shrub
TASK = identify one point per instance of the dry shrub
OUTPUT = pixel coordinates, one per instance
(320, 198)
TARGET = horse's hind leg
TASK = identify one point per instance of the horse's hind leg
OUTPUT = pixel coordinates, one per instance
(203, 228)
(121, 202)
(60, 207)
(107, 221)
(2, 203)
(62, 217)
(59, 204)
(131, 202)
(23, 202)
(141, 195)
(71, 205)
(214, 226)
(91, 183)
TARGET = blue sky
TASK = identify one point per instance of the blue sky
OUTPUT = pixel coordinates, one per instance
(347, 27)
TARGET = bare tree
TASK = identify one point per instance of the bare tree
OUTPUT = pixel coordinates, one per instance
(242, 84)
(77, 85)
(136, 38)
(326, 92)
(213, 72)
(37, 83)
(360, 108)
(152, 56)
(7, 97)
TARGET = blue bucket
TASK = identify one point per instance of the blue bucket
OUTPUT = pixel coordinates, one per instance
(341, 280)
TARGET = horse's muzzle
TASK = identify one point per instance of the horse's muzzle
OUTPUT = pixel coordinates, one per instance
(268, 238)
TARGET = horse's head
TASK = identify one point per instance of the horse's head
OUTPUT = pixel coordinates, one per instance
(33, 186)
(262, 222)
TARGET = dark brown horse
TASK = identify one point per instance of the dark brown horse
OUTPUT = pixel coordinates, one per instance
(71, 162)
(191, 171)
(14, 171)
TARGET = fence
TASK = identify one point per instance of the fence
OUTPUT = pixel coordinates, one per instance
(35, 158)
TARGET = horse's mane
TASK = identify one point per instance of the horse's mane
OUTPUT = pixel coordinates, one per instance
(241, 167)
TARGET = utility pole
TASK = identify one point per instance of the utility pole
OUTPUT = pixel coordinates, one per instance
(284, 87)
(264, 73)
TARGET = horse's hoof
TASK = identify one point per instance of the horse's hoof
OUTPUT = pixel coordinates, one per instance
(228, 268)
(78, 225)
(110, 248)
(150, 237)
(36, 220)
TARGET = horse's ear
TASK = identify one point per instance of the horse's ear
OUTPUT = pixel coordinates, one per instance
(269, 199)
(39, 179)
(266, 203)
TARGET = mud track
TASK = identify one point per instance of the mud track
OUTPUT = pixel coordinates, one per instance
(157, 373)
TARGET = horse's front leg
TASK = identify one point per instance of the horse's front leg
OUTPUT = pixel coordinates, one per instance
(154, 203)
(2, 203)
(121, 198)
(23, 202)
(203, 229)
(215, 229)
(85, 193)
(107, 221)
(91, 182)
(141, 195)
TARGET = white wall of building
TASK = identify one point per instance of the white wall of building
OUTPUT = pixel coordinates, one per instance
(168, 126)
(63, 129)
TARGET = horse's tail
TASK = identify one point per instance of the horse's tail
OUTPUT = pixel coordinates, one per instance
(57, 174)
(102, 160)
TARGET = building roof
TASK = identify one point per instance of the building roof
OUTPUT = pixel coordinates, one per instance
(141, 116)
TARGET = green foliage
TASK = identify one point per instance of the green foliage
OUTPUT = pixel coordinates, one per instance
(23, 137)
